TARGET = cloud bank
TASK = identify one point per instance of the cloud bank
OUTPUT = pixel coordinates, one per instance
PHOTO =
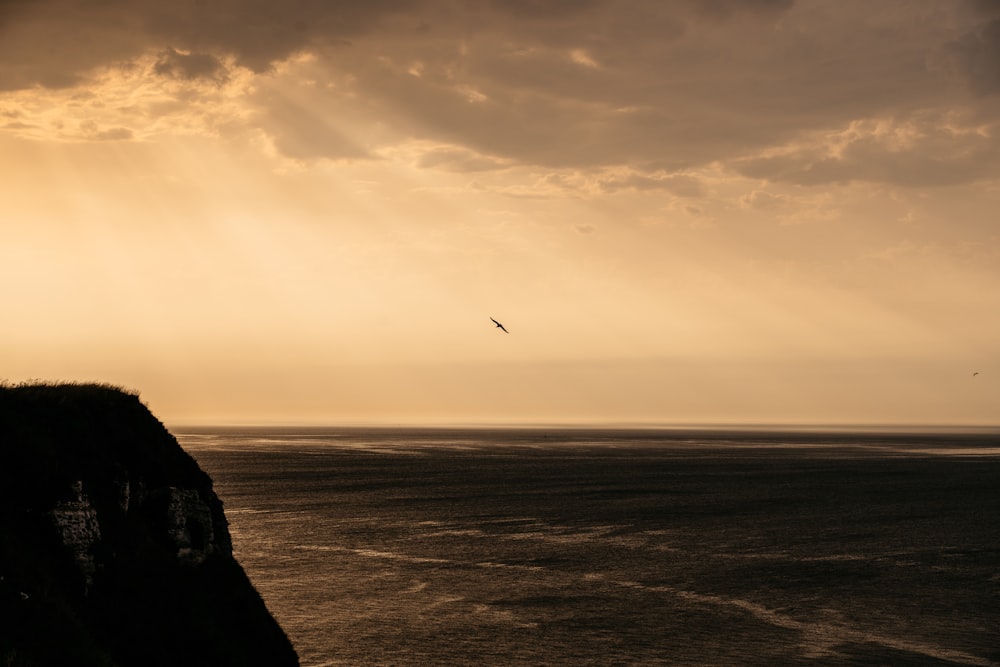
(802, 93)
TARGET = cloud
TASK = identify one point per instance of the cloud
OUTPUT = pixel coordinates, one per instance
(761, 200)
(575, 183)
(665, 94)
(131, 102)
(682, 185)
(113, 134)
(189, 66)
(663, 88)
(56, 43)
(916, 153)
(90, 130)
(986, 8)
(727, 8)
(259, 33)
(976, 57)
(543, 9)
(458, 160)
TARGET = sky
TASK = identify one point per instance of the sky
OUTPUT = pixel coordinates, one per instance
(692, 212)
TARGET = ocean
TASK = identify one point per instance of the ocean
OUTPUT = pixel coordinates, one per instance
(616, 547)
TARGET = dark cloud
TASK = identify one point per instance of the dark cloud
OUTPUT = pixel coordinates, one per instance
(189, 66)
(257, 33)
(9, 9)
(661, 87)
(727, 8)
(20, 78)
(54, 43)
(661, 96)
(985, 7)
(976, 56)
(544, 9)
(572, 121)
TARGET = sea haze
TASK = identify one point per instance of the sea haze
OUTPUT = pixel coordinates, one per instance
(603, 547)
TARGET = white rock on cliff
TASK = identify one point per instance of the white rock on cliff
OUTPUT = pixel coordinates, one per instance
(76, 521)
(189, 525)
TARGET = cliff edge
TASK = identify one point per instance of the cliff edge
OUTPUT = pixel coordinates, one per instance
(114, 549)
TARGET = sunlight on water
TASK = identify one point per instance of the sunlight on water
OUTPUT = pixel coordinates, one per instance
(540, 548)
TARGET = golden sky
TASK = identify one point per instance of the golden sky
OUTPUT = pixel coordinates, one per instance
(701, 211)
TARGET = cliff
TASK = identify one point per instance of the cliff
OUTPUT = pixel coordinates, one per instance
(114, 549)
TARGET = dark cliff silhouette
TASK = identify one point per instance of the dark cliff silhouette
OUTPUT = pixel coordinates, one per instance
(114, 549)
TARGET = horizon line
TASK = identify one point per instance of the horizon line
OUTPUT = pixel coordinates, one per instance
(789, 427)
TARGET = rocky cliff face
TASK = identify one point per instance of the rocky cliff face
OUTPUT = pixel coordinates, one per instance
(114, 550)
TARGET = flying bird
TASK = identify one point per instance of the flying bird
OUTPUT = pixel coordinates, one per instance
(499, 325)
(975, 374)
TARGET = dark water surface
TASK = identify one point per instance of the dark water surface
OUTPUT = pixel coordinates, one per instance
(505, 547)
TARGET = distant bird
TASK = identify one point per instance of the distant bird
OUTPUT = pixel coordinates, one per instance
(975, 374)
(499, 325)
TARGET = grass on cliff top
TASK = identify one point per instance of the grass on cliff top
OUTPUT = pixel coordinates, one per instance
(90, 390)
(52, 434)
